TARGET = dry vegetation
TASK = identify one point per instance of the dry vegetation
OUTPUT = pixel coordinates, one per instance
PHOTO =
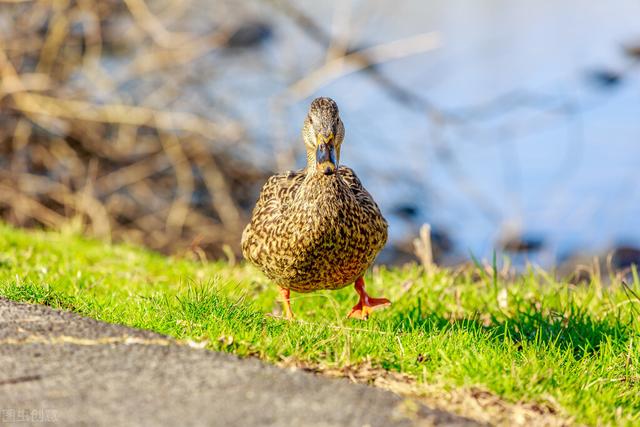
(109, 126)
(107, 152)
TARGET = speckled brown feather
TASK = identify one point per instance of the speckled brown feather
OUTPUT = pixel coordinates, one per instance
(311, 231)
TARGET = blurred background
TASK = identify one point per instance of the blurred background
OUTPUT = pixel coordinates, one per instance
(510, 127)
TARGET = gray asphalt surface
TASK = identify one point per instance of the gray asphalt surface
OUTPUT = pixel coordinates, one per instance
(58, 367)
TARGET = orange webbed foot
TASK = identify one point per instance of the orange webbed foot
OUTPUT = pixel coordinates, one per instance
(366, 304)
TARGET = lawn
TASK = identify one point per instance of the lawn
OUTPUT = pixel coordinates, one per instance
(570, 351)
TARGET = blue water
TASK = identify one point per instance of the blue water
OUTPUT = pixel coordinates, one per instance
(538, 146)
(556, 158)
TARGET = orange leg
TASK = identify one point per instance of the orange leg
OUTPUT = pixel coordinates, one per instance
(366, 305)
(286, 304)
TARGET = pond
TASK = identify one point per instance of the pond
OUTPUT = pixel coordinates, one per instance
(492, 121)
(544, 136)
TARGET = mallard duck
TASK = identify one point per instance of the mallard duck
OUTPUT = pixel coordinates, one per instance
(317, 228)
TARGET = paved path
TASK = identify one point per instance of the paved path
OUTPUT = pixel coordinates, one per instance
(60, 367)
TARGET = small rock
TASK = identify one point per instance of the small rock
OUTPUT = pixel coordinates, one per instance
(633, 51)
(422, 358)
(625, 257)
(521, 243)
(605, 78)
(250, 34)
(406, 210)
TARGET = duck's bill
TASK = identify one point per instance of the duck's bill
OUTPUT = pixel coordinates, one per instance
(326, 158)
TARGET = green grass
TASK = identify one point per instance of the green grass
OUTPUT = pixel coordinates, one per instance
(577, 347)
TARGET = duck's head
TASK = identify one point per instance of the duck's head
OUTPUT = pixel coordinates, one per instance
(323, 133)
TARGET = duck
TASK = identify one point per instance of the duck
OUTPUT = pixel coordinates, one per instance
(317, 228)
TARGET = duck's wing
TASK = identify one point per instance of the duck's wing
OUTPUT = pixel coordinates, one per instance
(277, 194)
(362, 195)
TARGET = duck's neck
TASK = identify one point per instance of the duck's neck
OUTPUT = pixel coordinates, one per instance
(311, 168)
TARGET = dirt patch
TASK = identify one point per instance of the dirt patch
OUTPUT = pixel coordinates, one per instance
(470, 402)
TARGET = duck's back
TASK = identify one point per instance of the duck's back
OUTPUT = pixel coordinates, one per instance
(314, 232)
